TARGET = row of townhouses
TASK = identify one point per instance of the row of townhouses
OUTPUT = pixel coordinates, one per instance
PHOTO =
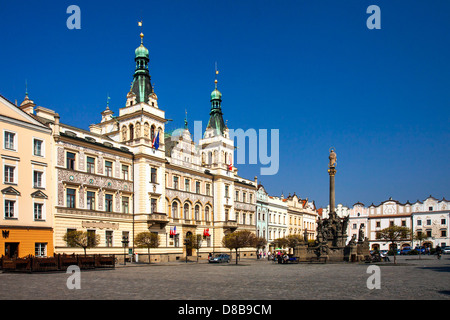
(126, 175)
(429, 217)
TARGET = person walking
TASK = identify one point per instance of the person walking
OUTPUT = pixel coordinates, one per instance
(438, 252)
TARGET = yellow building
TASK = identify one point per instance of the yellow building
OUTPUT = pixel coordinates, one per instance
(26, 185)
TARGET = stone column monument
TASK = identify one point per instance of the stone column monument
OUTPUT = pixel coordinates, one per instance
(332, 173)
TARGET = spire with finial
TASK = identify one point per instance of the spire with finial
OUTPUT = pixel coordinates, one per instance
(216, 120)
(185, 120)
(27, 105)
(141, 86)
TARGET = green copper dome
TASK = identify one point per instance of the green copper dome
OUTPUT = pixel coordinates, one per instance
(216, 95)
(141, 52)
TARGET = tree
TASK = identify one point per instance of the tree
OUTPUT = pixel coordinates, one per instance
(82, 239)
(239, 239)
(419, 236)
(260, 243)
(393, 234)
(280, 243)
(194, 242)
(293, 240)
(147, 240)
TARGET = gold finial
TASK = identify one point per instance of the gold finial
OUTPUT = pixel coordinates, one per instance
(141, 35)
(217, 72)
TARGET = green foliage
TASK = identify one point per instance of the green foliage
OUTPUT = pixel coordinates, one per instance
(82, 239)
(147, 240)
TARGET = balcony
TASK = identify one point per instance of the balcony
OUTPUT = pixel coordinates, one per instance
(230, 224)
(157, 218)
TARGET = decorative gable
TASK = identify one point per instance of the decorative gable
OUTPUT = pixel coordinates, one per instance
(39, 194)
(11, 191)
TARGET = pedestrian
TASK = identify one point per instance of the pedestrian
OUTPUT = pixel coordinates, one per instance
(438, 252)
(209, 256)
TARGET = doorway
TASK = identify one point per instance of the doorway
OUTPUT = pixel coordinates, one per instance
(11, 249)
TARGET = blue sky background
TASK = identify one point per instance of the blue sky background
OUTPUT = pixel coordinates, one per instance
(311, 69)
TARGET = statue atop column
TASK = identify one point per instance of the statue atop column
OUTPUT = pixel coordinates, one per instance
(332, 157)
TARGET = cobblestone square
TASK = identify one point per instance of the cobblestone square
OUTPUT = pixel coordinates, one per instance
(411, 279)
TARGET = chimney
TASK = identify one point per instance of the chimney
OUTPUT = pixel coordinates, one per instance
(56, 127)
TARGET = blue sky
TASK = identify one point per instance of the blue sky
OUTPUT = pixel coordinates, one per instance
(311, 69)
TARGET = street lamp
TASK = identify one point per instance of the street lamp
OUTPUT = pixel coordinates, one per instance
(125, 245)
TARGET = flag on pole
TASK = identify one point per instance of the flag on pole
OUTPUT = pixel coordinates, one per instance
(230, 166)
(155, 141)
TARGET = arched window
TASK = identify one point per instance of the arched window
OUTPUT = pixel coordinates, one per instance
(152, 132)
(207, 213)
(197, 212)
(174, 209)
(131, 132)
(186, 211)
(210, 157)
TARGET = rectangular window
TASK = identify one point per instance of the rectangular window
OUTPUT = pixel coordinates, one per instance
(90, 165)
(9, 208)
(244, 197)
(227, 191)
(251, 197)
(430, 208)
(197, 187)
(429, 233)
(419, 222)
(37, 179)
(237, 196)
(186, 185)
(403, 223)
(125, 237)
(9, 174)
(40, 249)
(37, 147)
(153, 175)
(378, 224)
(175, 182)
(91, 237)
(70, 193)
(109, 238)
(108, 202)
(443, 222)
(38, 211)
(108, 168)
(125, 205)
(208, 189)
(70, 160)
(443, 233)
(153, 205)
(9, 140)
(428, 222)
(90, 200)
(125, 172)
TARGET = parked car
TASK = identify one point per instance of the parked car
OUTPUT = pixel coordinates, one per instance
(219, 258)
(445, 250)
(420, 249)
(405, 250)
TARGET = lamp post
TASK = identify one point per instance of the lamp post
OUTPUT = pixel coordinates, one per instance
(125, 245)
